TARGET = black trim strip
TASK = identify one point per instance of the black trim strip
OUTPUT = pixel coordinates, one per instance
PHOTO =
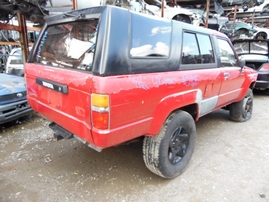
(52, 85)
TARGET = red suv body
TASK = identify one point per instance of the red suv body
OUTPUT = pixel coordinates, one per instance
(107, 75)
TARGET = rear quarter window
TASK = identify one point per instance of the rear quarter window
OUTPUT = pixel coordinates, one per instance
(150, 38)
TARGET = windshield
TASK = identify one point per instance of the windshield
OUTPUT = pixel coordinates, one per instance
(69, 45)
(257, 47)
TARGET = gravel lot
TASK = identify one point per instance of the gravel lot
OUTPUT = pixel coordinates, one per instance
(230, 163)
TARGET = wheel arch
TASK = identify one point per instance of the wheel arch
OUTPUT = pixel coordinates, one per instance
(261, 33)
(188, 102)
(242, 29)
(252, 85)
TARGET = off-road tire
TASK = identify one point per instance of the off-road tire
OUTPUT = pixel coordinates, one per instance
(242, 111)
(168, 153)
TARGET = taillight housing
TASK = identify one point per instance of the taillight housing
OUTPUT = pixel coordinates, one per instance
(264, 67)
(100, 111)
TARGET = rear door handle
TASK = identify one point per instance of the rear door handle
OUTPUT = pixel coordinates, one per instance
(226, 75)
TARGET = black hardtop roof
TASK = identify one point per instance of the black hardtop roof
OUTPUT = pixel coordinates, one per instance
(81, 13)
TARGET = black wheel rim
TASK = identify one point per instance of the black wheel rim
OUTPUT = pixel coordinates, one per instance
(247, 107)
(178, 145)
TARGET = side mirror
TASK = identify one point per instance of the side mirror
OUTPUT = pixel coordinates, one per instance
(242, 62)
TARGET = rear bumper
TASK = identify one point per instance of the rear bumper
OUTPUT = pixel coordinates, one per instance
(262, 84)
(262, 80)
(13, 111)
(67, 127)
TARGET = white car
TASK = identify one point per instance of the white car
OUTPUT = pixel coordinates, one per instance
(257, 9)
(175, 13)
(15, 63)
(262, 33)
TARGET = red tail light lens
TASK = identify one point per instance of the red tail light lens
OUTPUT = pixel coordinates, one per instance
(100, 119)
(100, 111)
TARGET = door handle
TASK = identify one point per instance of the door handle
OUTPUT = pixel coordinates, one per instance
(226, 75)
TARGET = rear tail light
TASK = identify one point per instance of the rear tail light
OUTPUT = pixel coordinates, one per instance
(264, 67)
(100, 111)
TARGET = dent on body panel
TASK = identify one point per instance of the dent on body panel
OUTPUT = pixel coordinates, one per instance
(80, 111)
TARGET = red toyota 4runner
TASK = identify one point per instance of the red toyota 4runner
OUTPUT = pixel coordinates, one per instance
(107, 75)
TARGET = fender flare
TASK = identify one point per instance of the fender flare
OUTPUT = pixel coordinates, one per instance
(171, 103)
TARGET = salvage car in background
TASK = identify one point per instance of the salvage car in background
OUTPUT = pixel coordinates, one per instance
(175, 13)
(244, 4)
(13, 102)
(14, 63)
(215, 21)
(255, 53)
(4, 51)
(262, 33)
(238, 30)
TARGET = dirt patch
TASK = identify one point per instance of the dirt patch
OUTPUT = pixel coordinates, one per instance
(230, 163)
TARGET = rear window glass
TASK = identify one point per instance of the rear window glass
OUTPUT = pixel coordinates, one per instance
(150, 39)
(255, 47)
(69, 45)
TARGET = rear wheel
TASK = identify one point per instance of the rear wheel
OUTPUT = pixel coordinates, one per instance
(168, 153)
(242, 111)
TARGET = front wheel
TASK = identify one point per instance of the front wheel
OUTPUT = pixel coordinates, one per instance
(242, 111)
(168, 153)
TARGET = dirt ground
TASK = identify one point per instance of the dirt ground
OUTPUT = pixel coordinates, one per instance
(230, 163)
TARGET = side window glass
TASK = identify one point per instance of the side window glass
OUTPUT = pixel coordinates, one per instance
(227, 55)
(150, 39)
(190, 52)
(206, 49)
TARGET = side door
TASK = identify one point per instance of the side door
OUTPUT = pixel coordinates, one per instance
(232, 74)
(199, 64)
